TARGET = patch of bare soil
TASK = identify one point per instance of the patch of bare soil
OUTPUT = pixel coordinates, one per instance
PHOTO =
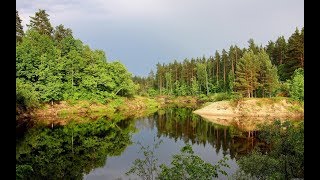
(247, 113)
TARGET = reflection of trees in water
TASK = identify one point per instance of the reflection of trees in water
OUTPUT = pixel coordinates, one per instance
(181, 123)
(69, 152)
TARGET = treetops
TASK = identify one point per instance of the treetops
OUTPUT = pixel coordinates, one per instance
(255, 71)
(56, 66)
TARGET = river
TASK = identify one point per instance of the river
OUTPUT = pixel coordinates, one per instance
(106, 149)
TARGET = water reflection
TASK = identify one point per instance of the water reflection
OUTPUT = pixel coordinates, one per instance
(181, 123)
(67, 152)
(105, 146)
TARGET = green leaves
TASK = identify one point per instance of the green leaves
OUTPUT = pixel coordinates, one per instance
(40, 22)
(62, 68)
(186, 165)
(286, 158)
(256, 73)
(297, 85)
(19, 28)
(67, 152)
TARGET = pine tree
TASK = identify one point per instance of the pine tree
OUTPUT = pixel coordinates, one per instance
(268, 77)
(19, 28)
(246, 80)
(224, 59)
(217, 59)
(61, 32)
(253, 46)
(295, 56)
(41, 23)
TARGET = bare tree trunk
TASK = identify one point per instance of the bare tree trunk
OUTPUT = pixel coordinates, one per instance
(217, 71)
(207, 81)
(160, 83)
(232, 65)
(236, 58)
(224, 72)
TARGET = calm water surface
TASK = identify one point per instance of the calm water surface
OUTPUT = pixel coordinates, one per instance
(105, 149)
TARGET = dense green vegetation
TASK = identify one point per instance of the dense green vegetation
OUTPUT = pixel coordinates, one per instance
(51, 65)
(67, 152)
(252, 72)
(285, 160)
(185, 165)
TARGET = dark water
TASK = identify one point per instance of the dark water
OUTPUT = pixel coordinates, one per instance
(105, 149)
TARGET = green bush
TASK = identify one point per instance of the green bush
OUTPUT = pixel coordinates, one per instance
(286, 158)
(297, 85)
(152, 92)
(184, 165)
(26, 95)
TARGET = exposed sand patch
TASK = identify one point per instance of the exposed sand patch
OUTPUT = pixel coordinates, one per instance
(247, 113)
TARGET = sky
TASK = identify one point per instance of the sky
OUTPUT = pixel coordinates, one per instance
(141, 33)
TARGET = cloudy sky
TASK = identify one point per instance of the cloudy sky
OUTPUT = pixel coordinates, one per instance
(141, 33)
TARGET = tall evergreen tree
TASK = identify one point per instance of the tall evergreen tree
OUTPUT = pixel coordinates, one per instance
(224, 59)
(61, 32)
(253, 46)
(246, 80)
(217, 59)
(268, 77)
(295, 56)
(41, 23)
(19, 28)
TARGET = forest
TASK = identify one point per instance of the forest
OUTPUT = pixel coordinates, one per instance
(255, 71)
(51, 65)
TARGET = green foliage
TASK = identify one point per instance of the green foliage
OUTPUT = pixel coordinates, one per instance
(152, 92)
(26, 95)
(23, 171)
(294, 57)
(231, 79)
(61, 33)
(62, 68)
(146, 168)
(70, 151)
(260, 165)
(247, 73)
(286, 158)
(186, 165)
(194, 87)
(40, 22)
(19, 28)
(254, 71)
(256, 75)
(297, 85)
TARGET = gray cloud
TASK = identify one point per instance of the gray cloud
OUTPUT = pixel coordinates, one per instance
(142, 32)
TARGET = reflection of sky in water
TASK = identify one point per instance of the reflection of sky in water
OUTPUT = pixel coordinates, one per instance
(117, 166)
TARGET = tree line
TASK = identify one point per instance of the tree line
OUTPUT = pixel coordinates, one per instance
(52, 65)
(255, 71)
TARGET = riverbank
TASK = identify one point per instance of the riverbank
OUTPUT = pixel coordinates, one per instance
(119, 108)
(246, 113)
(254, 107)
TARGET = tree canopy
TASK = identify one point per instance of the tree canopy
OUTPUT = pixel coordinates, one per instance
(59, 67)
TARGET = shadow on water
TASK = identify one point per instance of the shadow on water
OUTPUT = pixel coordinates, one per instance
(70, 151)
(181, 123)
(75, 149)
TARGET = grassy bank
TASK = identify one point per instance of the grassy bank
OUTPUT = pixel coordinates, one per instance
(118, 108)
